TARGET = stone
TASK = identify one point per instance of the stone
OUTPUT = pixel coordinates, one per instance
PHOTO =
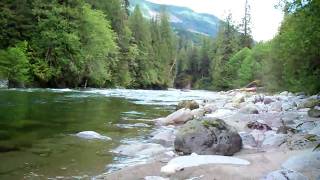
(188, 104)
(274, 140)
(179, 163)
(284, 93)
(259, 125)
(307, 162)
(179, 117)
(209, 108)
(309, 103)
(139, 149)
(300, 141)
(164, 136)
(285, 174)
(315, 113)
(288, 105)
(276, 106)
(92, 135)
(249, 109)
(207, 137)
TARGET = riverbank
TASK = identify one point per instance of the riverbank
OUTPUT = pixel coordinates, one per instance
(278, 132)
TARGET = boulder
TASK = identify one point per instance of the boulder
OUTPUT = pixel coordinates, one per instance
(207, 137)
(315, 113)
(179, 117)
(274, 140)
(139, 149)
(209, 108)
(188, 104)
(306, 162)
(179, 163)
(92, 135)
(249, 109)
(285, 174)
(309, 103)
(288, 105)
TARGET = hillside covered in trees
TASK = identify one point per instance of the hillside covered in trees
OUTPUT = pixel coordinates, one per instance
(98, 43)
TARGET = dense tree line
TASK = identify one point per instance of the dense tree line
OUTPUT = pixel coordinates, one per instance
(290, 61)
(80, 43)
(98, 43)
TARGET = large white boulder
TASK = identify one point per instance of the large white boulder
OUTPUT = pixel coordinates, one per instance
(192, 160)
(140, 149)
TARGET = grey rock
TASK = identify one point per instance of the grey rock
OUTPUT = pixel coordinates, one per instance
(248, 141)
(139, 149)
(207, 137)
(285, 174)
(164, 136)
(309, 103)
(249, 109)
(268, 100)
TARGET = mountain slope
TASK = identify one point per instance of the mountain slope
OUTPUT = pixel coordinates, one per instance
(182, 19)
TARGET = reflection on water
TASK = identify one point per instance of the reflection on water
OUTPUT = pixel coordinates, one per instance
(36, 128)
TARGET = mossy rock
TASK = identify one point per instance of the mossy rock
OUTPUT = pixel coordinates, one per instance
(207, 137)
(310, 103)
(188, 104)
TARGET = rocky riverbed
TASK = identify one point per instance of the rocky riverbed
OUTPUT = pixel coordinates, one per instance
(239, 135)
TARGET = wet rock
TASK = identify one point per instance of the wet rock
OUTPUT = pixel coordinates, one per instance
(249, 109)
(179, 117)
(285, 174)
(188, 104)
(209, 136)
(139, 149)
(314, 113)
(179, 163)
(288, 105)
(306, 163)
(164, 136)
(259, 125)
(92, 135)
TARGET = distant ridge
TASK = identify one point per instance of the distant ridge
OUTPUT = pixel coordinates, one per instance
(184, 20)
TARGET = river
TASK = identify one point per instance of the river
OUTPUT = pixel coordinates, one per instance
(38, 127)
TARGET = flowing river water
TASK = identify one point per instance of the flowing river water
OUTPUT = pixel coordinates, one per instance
(38, 127)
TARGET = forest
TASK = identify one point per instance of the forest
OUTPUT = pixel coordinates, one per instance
(98, 43)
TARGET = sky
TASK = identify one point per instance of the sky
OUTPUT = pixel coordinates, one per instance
(265, 18)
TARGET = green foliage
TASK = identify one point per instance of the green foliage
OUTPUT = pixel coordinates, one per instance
(14, 63)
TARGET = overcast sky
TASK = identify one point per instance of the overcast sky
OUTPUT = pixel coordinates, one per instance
(265, 18)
